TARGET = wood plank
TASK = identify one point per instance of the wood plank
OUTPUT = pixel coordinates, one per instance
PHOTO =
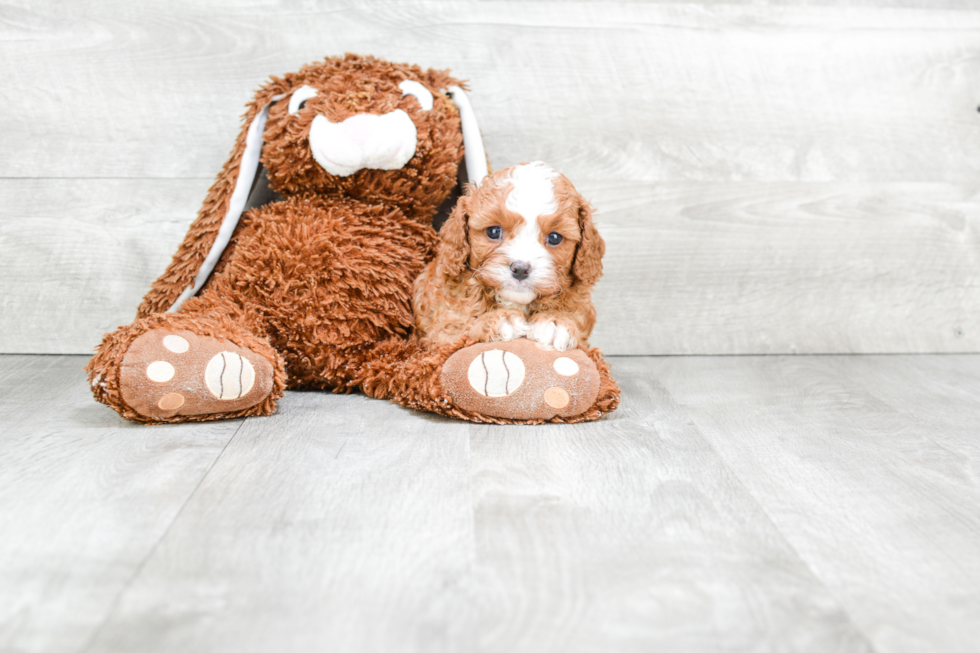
(606, 91)
(84, 499)
(743, 268)
(939, 397)
(611, 537)
(631, 534)
(907, 4)
(691, 268)
(739, 95)
(871, 495)
(76, 256)
(341, 523)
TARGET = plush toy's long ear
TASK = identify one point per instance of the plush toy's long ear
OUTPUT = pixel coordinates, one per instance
(216, 221)
(474, 166)
(587, 267)
(453, 251)
(475, 158)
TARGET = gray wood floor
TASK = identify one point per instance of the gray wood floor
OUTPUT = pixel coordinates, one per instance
(826, 503)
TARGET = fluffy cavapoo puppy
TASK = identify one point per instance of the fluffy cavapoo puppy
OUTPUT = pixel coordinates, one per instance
(517, 258)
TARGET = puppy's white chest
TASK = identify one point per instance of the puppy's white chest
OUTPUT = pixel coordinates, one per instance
(525, 309)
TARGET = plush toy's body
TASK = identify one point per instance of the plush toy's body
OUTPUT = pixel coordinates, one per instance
(313, 290)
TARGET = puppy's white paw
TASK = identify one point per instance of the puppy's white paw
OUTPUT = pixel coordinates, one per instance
(552, 335)
(543, 333)
(564, 339)
(512, 329)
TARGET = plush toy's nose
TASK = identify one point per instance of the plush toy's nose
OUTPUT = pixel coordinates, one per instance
(520, 270)
(359, 128)
(385, 142)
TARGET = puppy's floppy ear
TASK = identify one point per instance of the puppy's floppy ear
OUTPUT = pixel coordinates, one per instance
(453, 251)
(587, 267)
(216, 221)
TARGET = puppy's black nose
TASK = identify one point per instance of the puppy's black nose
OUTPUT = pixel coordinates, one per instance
(520, 270)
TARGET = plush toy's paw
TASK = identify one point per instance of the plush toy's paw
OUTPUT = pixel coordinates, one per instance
(521, 380)
(166, 373)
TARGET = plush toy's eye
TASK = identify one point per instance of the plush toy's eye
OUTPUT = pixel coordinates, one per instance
(494, 232)
(420, 93)
(555, 238)
(299, 98)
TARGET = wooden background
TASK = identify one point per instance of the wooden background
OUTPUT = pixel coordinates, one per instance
(782, 177)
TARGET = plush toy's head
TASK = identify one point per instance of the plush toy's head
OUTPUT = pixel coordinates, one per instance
(351, 126)
(366, 129)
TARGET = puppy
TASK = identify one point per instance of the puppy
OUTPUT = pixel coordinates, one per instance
(517, 258)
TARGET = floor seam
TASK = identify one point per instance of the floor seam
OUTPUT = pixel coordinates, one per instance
(776, 528)
(156, 545)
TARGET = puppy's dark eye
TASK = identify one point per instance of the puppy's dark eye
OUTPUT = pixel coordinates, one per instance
(555, 238)
(494, 233)
(302, 105)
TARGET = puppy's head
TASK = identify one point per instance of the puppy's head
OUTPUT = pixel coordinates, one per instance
(525, 233)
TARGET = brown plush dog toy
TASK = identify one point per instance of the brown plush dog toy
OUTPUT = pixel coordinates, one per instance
(298, 271)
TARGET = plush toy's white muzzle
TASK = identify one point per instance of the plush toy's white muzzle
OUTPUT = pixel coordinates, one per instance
(385, 142)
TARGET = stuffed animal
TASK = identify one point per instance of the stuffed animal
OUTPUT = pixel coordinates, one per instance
(298, 271)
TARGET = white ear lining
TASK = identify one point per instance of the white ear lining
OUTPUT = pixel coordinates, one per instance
(421, 93)
(247, 169)
(299, 96)
(475, 158)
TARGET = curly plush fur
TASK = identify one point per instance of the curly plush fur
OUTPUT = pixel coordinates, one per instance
(319, 283)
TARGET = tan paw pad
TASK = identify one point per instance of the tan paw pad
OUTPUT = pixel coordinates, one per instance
(556, 397)
(171, 401)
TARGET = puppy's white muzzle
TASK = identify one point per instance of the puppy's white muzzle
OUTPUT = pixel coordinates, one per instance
(385, 142)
